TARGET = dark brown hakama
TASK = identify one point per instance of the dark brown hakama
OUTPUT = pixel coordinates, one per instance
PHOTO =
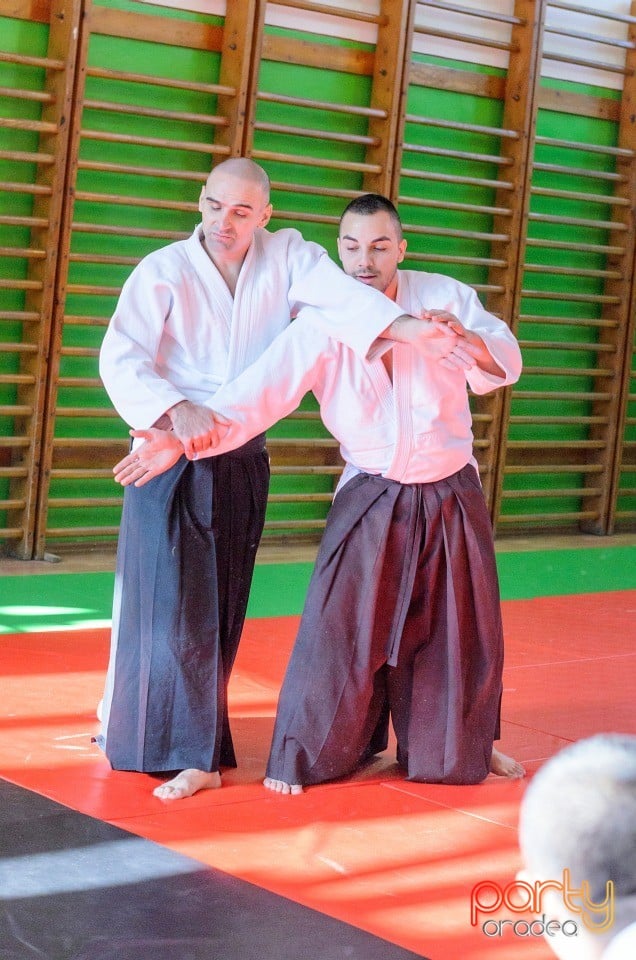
(185, 560)
(403, 606)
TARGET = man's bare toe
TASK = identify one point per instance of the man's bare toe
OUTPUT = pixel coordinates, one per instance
(504, 766)
(187, 783)
(280, 786)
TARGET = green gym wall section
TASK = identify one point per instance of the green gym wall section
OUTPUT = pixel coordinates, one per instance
(79, 387)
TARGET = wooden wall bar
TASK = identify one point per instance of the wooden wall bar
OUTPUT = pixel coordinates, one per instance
(333, 137)
(622, 508)
(457, 179)
(572, 315)
(521, 185)
(29, 295)
(140, 150)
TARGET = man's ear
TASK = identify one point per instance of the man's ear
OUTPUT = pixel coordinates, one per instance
(201, 198)
(266, 215)
(401, 249)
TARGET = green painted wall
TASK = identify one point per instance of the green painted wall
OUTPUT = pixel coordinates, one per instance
(142, 211)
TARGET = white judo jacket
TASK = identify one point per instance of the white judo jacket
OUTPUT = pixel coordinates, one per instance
(414, 429)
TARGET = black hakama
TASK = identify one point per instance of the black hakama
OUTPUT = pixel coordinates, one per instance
(403, 606)
(185, 560)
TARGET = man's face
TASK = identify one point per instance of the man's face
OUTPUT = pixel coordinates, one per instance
(231, 208)
(370, 248)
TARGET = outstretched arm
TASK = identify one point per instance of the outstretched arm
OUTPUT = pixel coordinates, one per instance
(269, 389)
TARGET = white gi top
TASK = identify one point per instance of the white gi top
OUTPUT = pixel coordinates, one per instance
(177, 332)
(623, 945)
(417, 429)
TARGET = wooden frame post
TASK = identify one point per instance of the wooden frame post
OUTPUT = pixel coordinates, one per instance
(37, 366)
(390, 74)
(505, 276)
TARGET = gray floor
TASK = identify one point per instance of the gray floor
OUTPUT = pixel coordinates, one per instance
(75, 888)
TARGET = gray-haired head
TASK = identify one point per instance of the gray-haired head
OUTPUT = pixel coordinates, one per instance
(579, 813)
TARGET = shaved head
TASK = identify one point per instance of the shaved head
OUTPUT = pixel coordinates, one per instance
(242, 168)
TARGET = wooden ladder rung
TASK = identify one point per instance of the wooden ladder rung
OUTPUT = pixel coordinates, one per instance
(593, 12)
(555, 492)
(352, 110)
(465, 38)
(589, 37)
(162, 142)
(128, 231)
(312, 7)
(34, 126)
(327, 135)
(101, 166)
(171, 82)
(155, 113)
(316, 161)
(603, 149)
(456, 125)
(532, 519)
(442, 258)
(493, 159)
(25, 156)
(45, 63)
(586, 62)
(457, 179)
(483, 14)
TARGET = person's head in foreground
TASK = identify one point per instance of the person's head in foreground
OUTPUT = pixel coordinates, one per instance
(370, 242)
(577, 829)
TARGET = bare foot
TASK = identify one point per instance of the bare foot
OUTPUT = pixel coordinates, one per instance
(279, 786)
(505, 766)
(187, 783)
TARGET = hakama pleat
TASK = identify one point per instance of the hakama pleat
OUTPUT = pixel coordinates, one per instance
(403, 607)
(185, 561)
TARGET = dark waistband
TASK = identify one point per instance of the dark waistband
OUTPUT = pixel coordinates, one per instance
(468, 470)
(254, 446)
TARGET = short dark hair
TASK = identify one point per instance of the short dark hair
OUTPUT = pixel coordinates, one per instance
(369, 203)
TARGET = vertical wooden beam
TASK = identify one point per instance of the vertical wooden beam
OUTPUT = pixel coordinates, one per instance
(519, 114)
(403, 91)
(240, 63)
(69, 41)
(388, 92)
(622, 336)
(65, 16)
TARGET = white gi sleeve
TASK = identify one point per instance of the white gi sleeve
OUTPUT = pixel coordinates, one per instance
(273, 385)
(499, 341)
(127, 361)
